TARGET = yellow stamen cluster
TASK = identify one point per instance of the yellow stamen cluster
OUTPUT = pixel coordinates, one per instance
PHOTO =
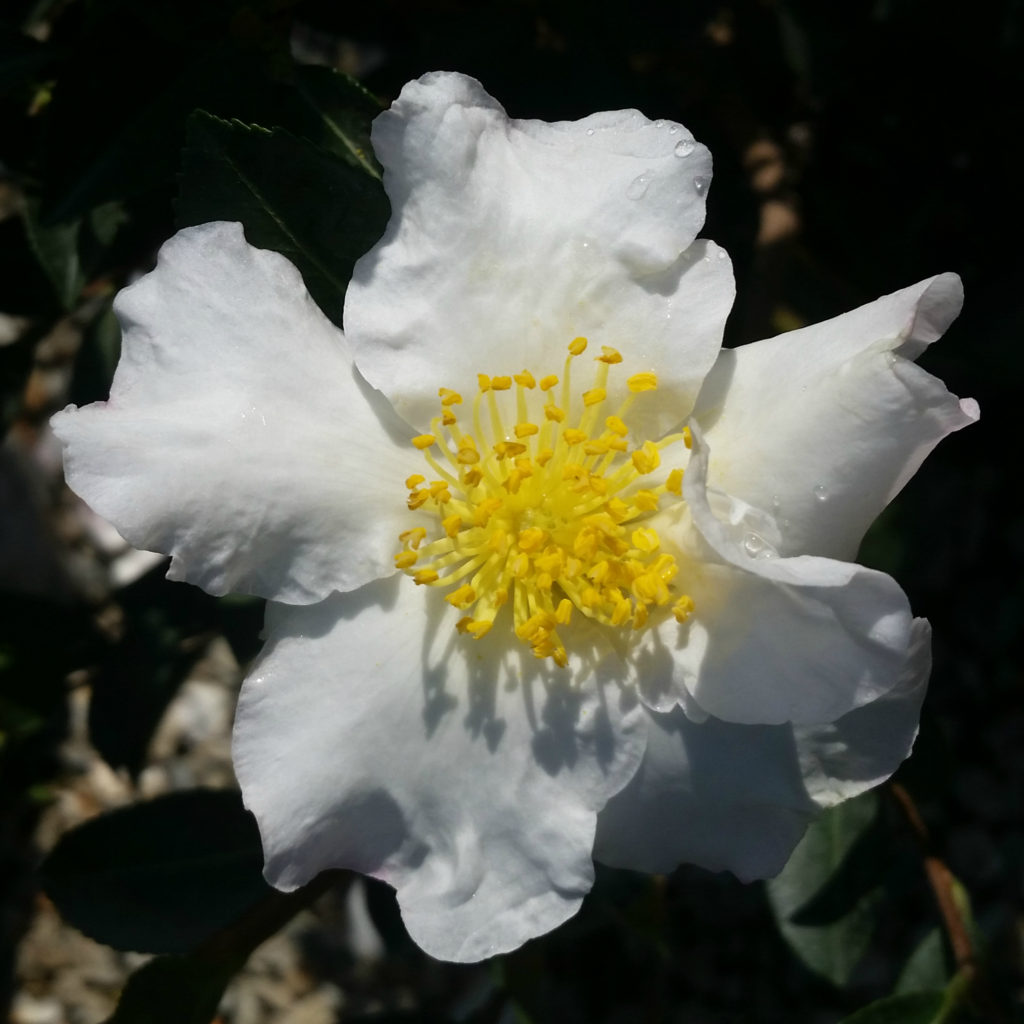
(542, 514)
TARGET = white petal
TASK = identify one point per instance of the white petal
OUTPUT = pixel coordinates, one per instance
(844, 758)
(465, 773)
(510, 238)
(775, 640)
(823, 426)
(238, 437)
(738, 797)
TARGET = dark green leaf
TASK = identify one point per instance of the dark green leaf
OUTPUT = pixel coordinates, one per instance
(161, 876)
(308, 204)
(913, 1008)
(926, 968)
(827, 924)
(56, 248)
(341, 111)
(141, 674)
(176, 990)
(187, 989)
(96, 359)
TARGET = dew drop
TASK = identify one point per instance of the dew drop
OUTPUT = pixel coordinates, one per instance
(590, 131)
(722, 254)
(638, 187)
(890, 359)
(776, 503)
(673, 129)
(685, 147)
(700, 185)
(757, 547)
(821, 492)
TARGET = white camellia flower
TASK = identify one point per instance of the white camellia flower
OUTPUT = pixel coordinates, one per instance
(551, 577)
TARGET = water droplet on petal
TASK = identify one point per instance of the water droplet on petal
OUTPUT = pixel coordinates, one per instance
(700, 185)
(821, 492)
(590, 131)
(722, 254)
(638, 187)
(685, 147)
(673, 129)
(776, 503)
(890, 358)
(757, 547)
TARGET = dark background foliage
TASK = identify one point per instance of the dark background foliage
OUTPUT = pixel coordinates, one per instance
(859, 147)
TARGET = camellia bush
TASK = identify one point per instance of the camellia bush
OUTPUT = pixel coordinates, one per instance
(572, 643)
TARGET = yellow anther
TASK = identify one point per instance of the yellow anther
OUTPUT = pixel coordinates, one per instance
(485, 509)
(642, 382)
(618, 510)
(683, 608)
(414, 537)
(550, 561)
(530, 539)
(687, 437)
(507, 449)
(546, 532)
(646, 539)
(647, 459)
(463, 597)
(621, 613)
(585, 544)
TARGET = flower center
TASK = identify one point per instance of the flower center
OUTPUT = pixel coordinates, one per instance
(543, 515)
